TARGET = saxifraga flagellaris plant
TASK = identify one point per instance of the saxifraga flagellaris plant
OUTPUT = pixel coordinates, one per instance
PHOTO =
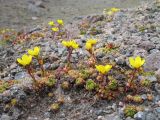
(89, 47)
(135, 63)
(25, 61)
(103, 69)
(35, 53)
(51, 23)
(130, 111)
(71, 45)
(55, 30)
(60, 22)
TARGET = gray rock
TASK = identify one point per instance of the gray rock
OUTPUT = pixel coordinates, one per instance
(120, 60)
(147, 45)
(99, 45)
(139, 115)
(18, 93)
(32, 118)
(155, 40)
(151, 78)
(62, 51)
(150, 116)
(16, 113)
(112, 116)
(157, 110)
(47, 114)
(13, 66)
(33, 8)
(140, 52)
(129, 118)
(152, 62)
(157, 73)
(20, 75)
(144, 96)
(157, 87)
(100, 55)
(153, 51)
(47, 66)
(54, 66)
(5, 117)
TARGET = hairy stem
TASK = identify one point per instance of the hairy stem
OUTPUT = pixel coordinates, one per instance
(69, 56)
(30, 72)
(40, 61)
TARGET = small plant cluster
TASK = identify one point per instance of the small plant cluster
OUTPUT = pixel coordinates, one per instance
(90, 27)
(94, 76)
(57, 28)
(11, 36)
(4, 85)
(110, 13)
(26, 63)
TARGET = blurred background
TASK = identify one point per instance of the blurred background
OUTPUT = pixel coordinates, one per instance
(19, 14)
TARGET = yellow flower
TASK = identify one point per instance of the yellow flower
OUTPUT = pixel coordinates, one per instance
(114, 10)
(92, 41)
(103, 69)
(60, 22)
(136, 62)
(34, 52)
(70, 43)
(25, 60)
(51, 23)
(55, 29)
(88, 46)
(109, 13)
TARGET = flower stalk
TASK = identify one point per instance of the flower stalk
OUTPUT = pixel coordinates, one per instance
(89, 47)
(30, 72)
(35, 53)
(71, 45)
(25, 61)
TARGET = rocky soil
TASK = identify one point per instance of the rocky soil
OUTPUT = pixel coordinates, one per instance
(134, 31)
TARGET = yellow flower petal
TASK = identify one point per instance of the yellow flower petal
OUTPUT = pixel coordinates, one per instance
(31, 52)
(64, 43)
(36, 50)
(26, 60)
(143, 61)
(131, 61)
(109, 13)
(24, 57)
(115, 10)
(55, 29)
(70, 43)
(92, 41)
(60, 22)
(100, 68)
(51, 23)
(137, 62)
(21, 62)
(108, 68)
(88, 46)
